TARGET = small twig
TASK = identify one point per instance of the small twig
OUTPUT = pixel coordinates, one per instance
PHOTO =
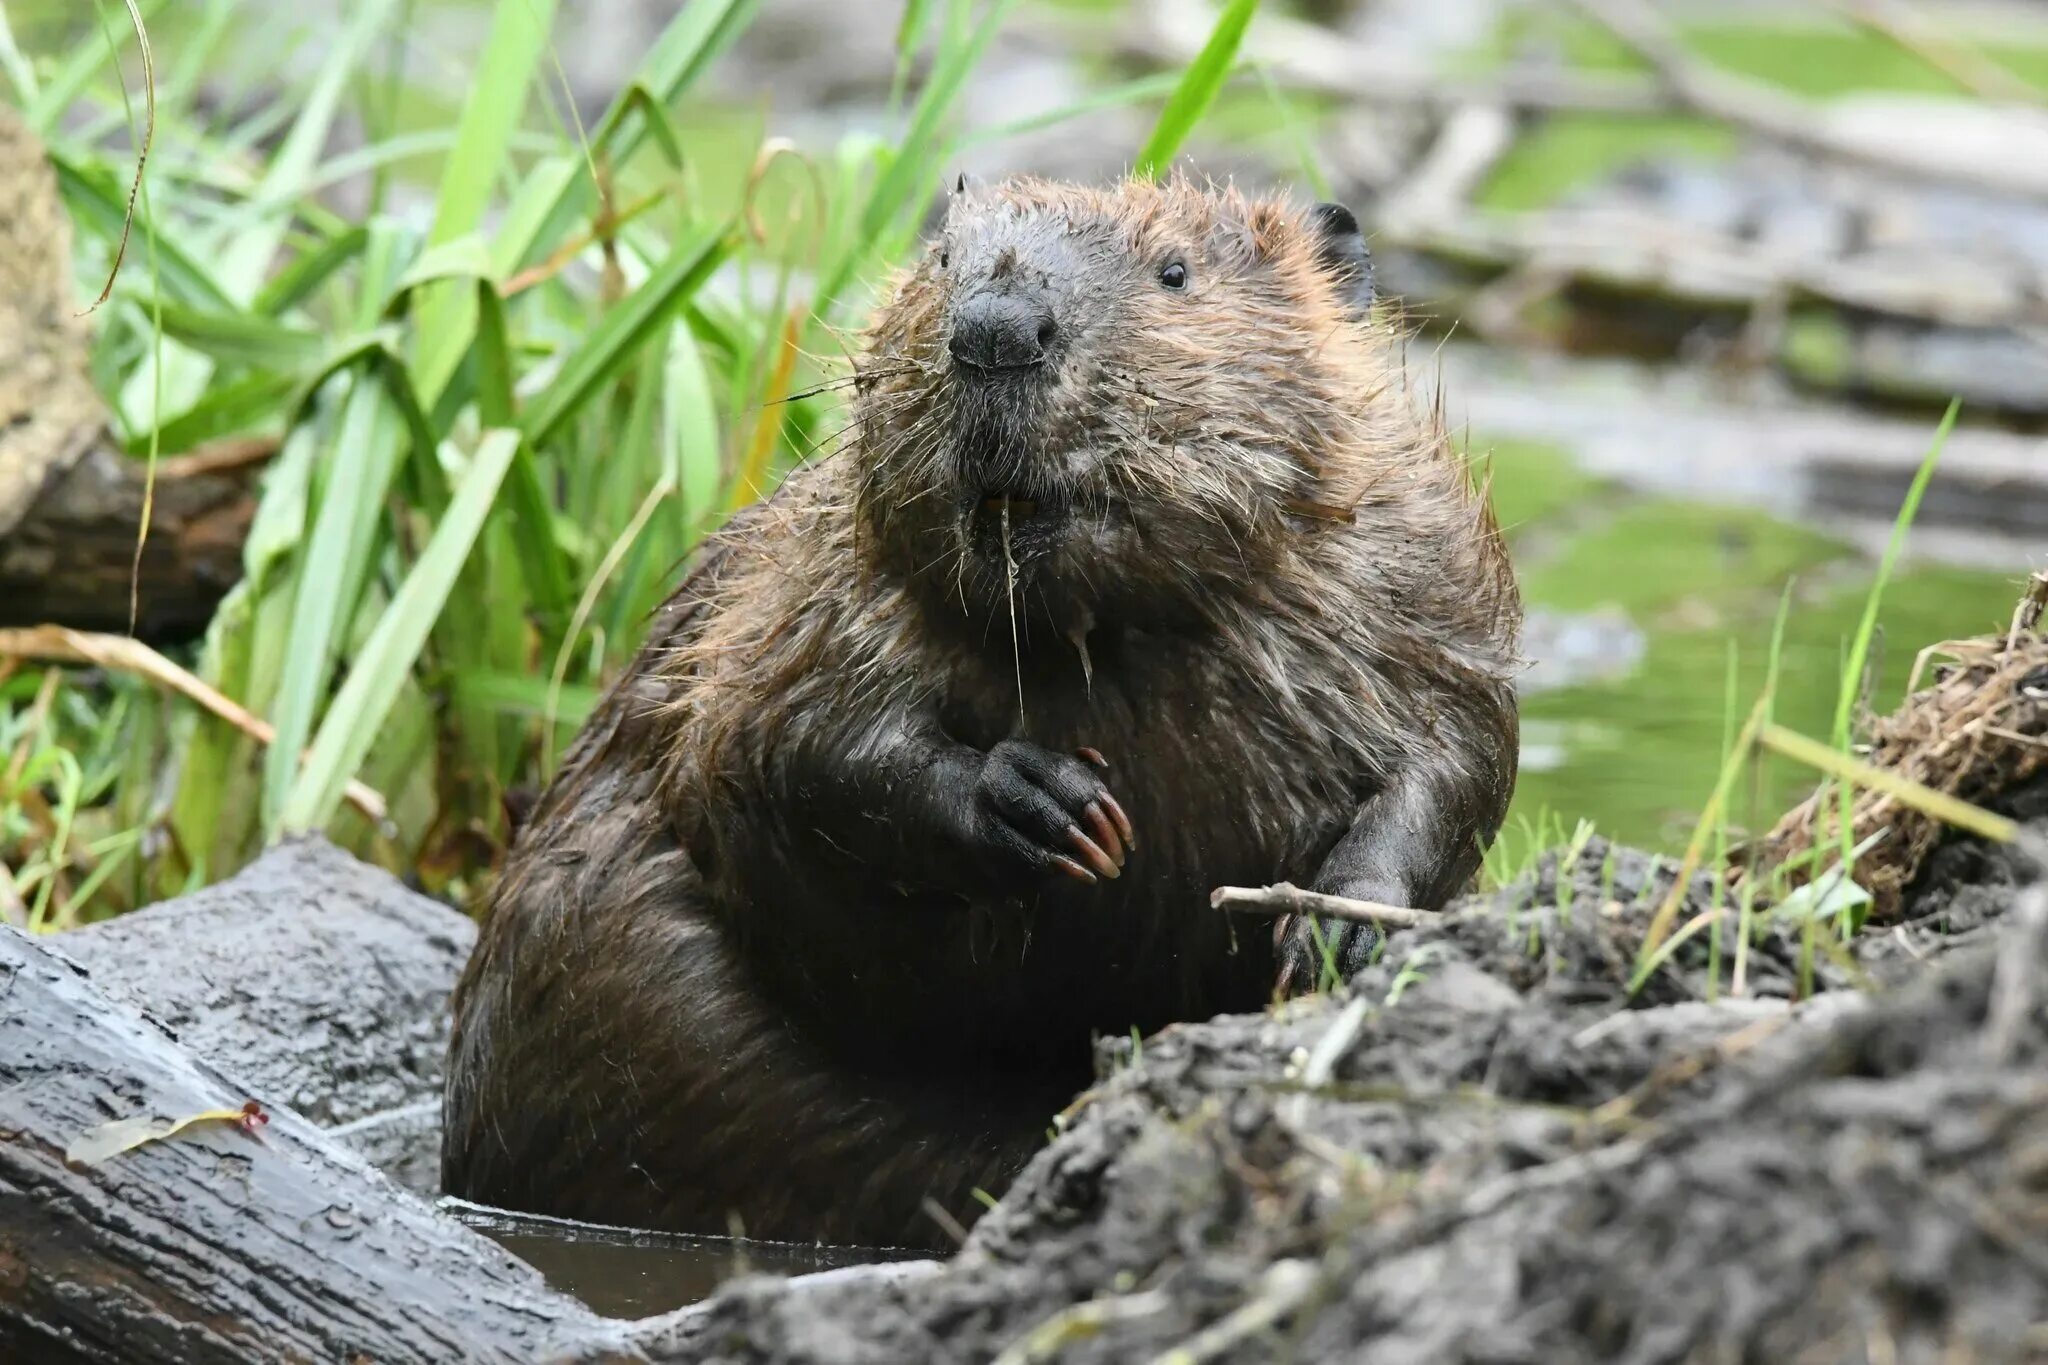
(1795, 122)
(1912, 31)
(124, 654)
(948, 1224)
(218, 457)
(1288, 899)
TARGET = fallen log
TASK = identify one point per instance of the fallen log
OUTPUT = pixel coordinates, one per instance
(219, 1244)
(319, 980)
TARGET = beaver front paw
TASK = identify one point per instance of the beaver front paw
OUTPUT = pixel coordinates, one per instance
(1042, 812)
(1317, 954)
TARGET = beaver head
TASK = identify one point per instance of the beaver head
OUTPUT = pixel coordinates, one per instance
(1087, 404)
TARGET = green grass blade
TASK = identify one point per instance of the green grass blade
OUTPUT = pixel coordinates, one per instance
(74, 73)
(1852, 772)
(386, 659)
(522, 694)
(1144, 88)
(483, 141)
(20, 71)
(627, 326)
(295, 283)
(491, 115)
(242, 405)
(1197, 89)
(916, 165)
(242, 338)
(350, 514)
(1866, 629)
(98, 203)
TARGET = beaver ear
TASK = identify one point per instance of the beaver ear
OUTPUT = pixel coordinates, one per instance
(1340, 246)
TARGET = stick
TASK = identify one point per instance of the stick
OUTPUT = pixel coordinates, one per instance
(1288, 899)
(125, 655)
(1795, 122)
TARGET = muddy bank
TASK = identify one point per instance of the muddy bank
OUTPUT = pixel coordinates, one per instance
(1485, 1147)
(1483, 1151)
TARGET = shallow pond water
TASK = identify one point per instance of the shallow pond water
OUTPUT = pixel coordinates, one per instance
(636, 1273)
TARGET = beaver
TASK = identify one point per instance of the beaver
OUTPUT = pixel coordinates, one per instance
(1139, 573)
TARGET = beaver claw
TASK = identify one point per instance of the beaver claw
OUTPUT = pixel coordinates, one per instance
(1050, 812)
(1309, 950)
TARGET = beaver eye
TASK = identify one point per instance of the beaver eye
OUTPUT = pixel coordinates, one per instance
(1174, 275)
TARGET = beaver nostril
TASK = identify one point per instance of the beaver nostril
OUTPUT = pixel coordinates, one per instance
(1002, 331)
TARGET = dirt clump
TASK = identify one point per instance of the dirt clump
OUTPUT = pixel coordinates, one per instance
(1480, 1150)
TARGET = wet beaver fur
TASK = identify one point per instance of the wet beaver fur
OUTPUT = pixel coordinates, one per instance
(1139, 574)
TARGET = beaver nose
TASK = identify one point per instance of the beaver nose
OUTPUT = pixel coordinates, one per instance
(1002, 331)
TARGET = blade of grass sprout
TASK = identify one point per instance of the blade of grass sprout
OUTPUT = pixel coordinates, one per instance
(494, 376)
(698, 35)
(248, 253)
(752, 479)
(97, 206)
(690, 428)
(247, 257)
(386, 659)
(1851, 772)
(68, 781)
(1866, 628)
(636, 98)
(238, 406)
(1197, 89)
(1647, 965)
(491, 115)
(143, 139)
(1729, 702)
(1695, 849)
(1774, 660)
(70, 77)
(1290, 123)
(910, 31)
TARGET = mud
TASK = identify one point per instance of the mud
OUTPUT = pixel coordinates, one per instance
(1484, 1149)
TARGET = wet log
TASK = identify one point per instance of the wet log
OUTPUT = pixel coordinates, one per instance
(71, 558)
(321, 981)
(218, 1244)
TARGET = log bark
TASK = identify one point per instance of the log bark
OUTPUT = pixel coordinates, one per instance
(71, 558)
(219, 1245)
(320, 981)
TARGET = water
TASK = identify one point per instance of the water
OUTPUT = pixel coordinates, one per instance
(635, 1273)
